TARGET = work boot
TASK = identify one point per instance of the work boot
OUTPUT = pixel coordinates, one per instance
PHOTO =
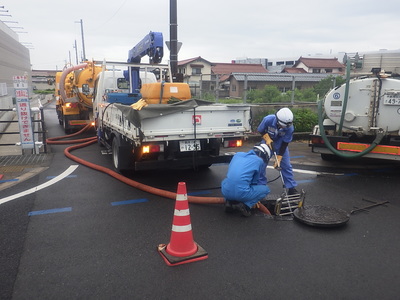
(244, 209)
(293, 191)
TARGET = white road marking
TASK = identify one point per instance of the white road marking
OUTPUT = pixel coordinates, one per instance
(64, 174)
(312, 172)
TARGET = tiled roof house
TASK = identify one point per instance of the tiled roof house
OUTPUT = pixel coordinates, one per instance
(224, 70)
(195, 69)
(320, 65)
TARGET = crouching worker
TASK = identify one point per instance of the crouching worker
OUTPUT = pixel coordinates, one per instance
(241, 188)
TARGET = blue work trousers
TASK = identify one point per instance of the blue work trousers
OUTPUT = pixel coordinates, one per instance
(249, 195)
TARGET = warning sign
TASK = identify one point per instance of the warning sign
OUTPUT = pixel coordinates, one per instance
(24, 112)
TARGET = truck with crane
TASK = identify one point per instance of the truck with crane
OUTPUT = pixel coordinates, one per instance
(157, 125)
(361, 118)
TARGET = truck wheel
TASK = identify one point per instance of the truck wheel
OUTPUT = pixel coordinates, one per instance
(65, 123)
(121, 155)
(115, 154)
(59, 115)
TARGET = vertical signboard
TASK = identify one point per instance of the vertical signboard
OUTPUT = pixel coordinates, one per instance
(24, 112)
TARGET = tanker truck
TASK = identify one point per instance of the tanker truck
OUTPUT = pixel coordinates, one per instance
(361, 118)
(74, 95)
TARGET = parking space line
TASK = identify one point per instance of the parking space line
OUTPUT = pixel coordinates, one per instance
(49, 211)
(129, 202)
(9, 180)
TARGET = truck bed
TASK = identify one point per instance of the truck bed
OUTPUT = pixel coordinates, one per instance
(191, 119)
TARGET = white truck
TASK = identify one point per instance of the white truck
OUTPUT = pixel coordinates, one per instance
(185, 134)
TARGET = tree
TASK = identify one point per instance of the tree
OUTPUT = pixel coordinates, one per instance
(325, 85)
(306, 95)
(269, 94)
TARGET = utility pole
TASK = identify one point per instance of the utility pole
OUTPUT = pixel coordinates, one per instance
(76, 52)
(173, 27)
(83, 40)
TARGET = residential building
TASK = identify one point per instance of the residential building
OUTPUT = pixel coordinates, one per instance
(195, 69)
(223, 71)
(204, 76)
(294, 70)
(320, 65)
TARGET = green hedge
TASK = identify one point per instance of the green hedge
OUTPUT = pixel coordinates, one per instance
(304, 119)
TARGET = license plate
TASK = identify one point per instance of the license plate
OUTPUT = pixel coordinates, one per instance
(189, 145)
(391, 101)
(392, 98)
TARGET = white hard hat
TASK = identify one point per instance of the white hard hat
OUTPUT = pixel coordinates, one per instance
(285, 117)
(263, 151)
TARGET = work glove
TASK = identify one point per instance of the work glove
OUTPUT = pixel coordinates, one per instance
(139, 104)
(277, 164)
(267, 140)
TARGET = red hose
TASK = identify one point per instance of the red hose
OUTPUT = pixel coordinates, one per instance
(88, 141)
(146, 188)
(54, 140)
(133, 183)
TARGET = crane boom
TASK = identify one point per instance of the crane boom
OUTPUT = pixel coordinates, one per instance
(151, 45)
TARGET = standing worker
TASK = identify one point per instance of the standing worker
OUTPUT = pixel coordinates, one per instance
(277, 132)
(241, 187)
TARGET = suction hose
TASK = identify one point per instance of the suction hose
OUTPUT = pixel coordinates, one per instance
(346, 97)
(378, 138)
(64, 75)
(55, 140)
(88, 141)
(146, 188)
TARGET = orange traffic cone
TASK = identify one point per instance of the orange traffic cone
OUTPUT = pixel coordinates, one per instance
(181, 248)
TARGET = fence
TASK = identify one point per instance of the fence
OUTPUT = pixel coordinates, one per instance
(39, 131)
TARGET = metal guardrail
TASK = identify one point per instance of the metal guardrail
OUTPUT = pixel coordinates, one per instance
(39, 129)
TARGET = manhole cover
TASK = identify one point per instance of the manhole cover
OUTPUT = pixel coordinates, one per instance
(321, 216)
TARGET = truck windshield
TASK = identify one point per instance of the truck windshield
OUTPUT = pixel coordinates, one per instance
(122, 84)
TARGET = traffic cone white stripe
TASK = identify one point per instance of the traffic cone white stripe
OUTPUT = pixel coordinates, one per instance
(181, 197)
(181, 212)
(182, 228)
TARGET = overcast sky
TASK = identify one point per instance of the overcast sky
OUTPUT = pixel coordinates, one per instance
(216, 30)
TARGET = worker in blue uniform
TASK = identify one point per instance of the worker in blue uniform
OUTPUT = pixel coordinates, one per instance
(277, 132)
(241, 188)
